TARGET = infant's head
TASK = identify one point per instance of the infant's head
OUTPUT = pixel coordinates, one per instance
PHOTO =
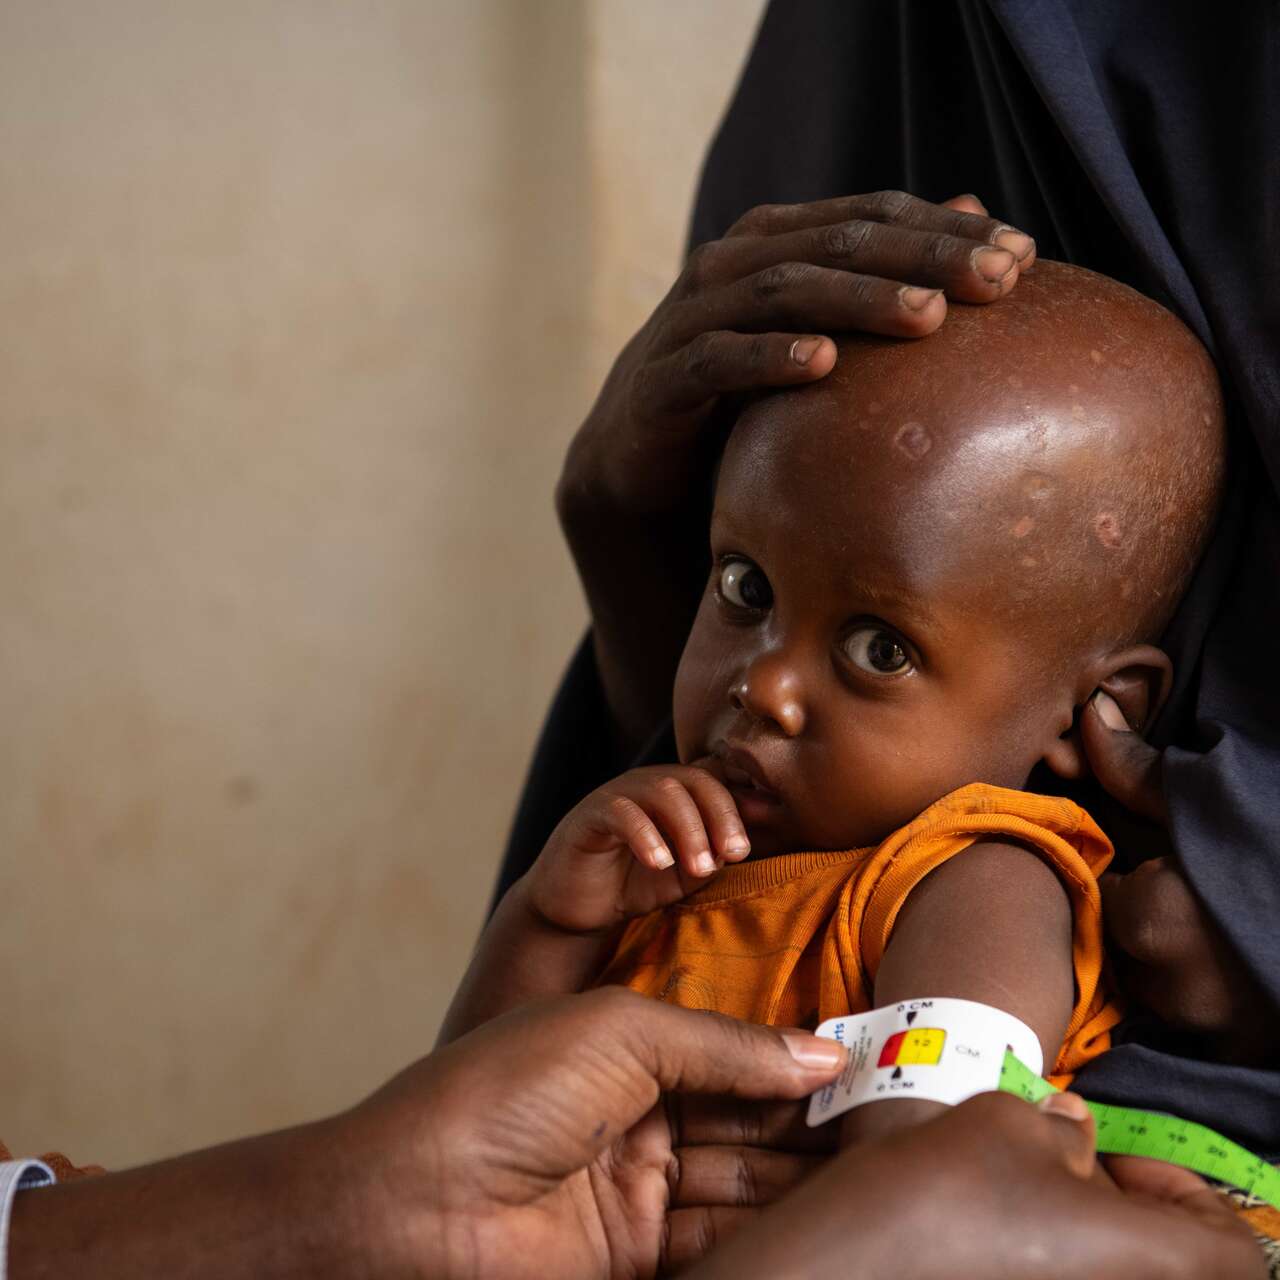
(925, 564)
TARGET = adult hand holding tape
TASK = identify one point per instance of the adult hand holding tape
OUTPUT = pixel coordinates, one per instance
(992, 1189)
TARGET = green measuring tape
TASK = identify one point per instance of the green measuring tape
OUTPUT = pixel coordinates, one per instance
(1123, 1131)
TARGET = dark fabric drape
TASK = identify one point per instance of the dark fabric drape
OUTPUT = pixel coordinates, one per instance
(1141, 140)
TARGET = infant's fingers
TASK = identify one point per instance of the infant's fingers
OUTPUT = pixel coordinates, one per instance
(720, 815)
(667, 798)
(630, 824)
(718, 362)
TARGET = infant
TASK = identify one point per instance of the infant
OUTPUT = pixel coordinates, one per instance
(925, 566)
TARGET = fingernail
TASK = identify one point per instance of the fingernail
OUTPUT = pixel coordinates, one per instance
(662, 858)
(735, 845)
(1070, 1106)
(915, 299)
(1018, 244)
(802, 350)
(993, 264)
(704, 864)
(812, 1051)
(1109, 709)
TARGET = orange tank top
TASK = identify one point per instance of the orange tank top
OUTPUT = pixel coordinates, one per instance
(795, 939)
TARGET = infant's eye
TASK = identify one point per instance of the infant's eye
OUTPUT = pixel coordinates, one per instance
(878, 651)
(744, 584)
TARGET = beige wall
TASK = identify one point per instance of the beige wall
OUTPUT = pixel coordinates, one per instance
(300, 302)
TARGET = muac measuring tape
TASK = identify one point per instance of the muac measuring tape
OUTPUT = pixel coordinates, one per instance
(1126, 1131)
(948, 1050)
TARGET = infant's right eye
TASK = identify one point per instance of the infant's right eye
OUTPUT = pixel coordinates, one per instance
(744, 584)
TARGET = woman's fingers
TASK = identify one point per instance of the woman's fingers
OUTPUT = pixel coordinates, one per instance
(1152, 915)
(721, 361)
(1074, 1132)
(799, 297)
(1125, 766)
(971, 270)
(740, 1177)
(896, 207)
(693, 1233)
(1141, 1175)
(967, 203)
(700, 1120)
(1180, 965)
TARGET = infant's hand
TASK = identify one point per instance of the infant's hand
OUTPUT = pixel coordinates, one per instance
(638, 843)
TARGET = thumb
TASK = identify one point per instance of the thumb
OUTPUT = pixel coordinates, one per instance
(1125, 765)
(542, 1090)
(1071, 1133)
(693, 1051)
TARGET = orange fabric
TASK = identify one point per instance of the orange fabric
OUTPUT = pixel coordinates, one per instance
(798, 938)
(62, 1168)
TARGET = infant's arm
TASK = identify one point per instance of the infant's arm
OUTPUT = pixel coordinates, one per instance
(639, 842)
(993, 924)
(521, 957)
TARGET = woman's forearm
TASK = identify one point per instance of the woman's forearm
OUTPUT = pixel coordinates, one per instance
(280, 1207)
(642, 577)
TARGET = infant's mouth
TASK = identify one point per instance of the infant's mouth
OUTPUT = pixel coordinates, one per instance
(739, 779)
(748, 783)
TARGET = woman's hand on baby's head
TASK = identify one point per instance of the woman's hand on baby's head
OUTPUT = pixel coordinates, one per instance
(742, 315)
(644, 840)
(752, 310)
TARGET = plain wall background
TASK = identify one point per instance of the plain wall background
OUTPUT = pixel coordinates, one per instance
(300, 303)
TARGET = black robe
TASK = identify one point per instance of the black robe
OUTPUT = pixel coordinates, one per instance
(1140, 138)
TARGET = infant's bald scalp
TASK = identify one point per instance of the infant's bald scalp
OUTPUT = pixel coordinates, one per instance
(1068, 438)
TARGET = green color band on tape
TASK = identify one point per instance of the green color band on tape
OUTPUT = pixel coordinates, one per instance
(1127, 1132)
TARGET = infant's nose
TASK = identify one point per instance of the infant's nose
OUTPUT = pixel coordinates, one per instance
(769, 690)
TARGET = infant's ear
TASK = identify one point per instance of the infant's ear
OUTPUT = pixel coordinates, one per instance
(1138, 678)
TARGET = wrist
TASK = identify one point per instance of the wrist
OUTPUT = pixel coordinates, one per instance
(388, 1219)
(339, 1187)
(584, 493)
(538, 911)
(623, 471)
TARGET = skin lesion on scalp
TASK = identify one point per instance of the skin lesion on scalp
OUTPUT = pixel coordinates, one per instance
(1107, 530)
(913, 439)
